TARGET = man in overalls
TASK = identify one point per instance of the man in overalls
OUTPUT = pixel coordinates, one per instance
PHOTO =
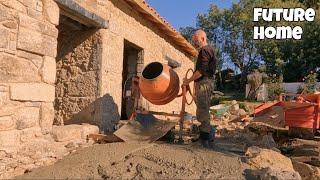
(203, 78)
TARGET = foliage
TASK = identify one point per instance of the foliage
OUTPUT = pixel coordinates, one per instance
(281, 57)
(274, 86)
(231, 30)
(310, 83)
(311, 3)
(187, 32)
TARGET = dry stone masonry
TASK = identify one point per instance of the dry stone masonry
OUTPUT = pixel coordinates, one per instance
(61, 74)
(77, 76)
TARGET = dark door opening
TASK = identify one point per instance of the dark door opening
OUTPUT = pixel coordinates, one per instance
(132, 63)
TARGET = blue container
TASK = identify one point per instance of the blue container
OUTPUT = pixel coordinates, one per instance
(219, 110)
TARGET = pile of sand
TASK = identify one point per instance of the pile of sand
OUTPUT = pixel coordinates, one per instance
(161, 161)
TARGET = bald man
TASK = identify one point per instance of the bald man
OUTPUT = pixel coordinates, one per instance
(203, 78)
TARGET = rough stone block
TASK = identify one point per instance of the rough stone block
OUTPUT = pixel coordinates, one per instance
(47, 117)
(12, 46)
(89, 129)
(4, 34)
(39, 6)
(36, 59)
(49, 29)
(17, 70)
(261, 158)
(4, 88)
(37, 42)
(29, 40)
(306, 171)
(27, 117)
(32, 92)
(7, 123)
(37, 25)
(49, 46)
(28, 22)
(51, 11)
(67, 132)
(35, 14)
(6, 13)
(10, 24)
(14, 4)
(49, 70)
(30, 134)
(274, 173)
(9, 140)
(30, 3)
(4, 97)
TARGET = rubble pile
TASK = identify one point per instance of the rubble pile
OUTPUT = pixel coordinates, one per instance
(261, 142)
(305, 155)
(269, 164)
(265, 142)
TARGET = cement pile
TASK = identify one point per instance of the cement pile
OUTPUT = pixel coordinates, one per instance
(136, 161)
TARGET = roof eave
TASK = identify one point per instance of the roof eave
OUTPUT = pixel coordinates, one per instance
(142, 7)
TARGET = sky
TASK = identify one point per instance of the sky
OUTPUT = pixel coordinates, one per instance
(182, 13)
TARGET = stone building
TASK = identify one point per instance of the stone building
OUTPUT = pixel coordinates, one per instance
(65, 62)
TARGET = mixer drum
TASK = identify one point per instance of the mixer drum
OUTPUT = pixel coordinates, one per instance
(159, 84)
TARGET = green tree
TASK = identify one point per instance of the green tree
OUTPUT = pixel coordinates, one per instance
(231, 30)
(292, 59)
(311, 3)
(187, 32)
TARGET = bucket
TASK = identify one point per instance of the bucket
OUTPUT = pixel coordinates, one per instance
(219, 110)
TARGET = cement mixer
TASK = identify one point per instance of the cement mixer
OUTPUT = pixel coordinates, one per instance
(159, 84)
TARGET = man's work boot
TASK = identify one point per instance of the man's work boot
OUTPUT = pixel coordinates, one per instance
(204, 139)
(211, 137)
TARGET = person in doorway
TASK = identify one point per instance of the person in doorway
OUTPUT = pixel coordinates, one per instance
(203, 78)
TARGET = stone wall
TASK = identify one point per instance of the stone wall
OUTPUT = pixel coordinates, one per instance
(27, 75)
(28, 48)
(28, 51)
(77, 75)
(127, 24)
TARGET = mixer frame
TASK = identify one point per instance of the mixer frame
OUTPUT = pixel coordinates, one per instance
(135, 95)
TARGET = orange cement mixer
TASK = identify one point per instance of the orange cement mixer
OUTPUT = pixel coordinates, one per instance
(159, 84)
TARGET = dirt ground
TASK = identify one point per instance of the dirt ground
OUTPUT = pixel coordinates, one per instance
(158, 160)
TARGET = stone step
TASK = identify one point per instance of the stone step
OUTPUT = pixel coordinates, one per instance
(73, 132)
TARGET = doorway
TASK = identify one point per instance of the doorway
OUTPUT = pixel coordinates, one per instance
(77, 72)
(132, 66)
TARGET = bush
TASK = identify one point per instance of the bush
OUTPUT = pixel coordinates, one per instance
(310, 83)
(275, 87)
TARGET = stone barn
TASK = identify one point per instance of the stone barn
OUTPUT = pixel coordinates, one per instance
(66, 62)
